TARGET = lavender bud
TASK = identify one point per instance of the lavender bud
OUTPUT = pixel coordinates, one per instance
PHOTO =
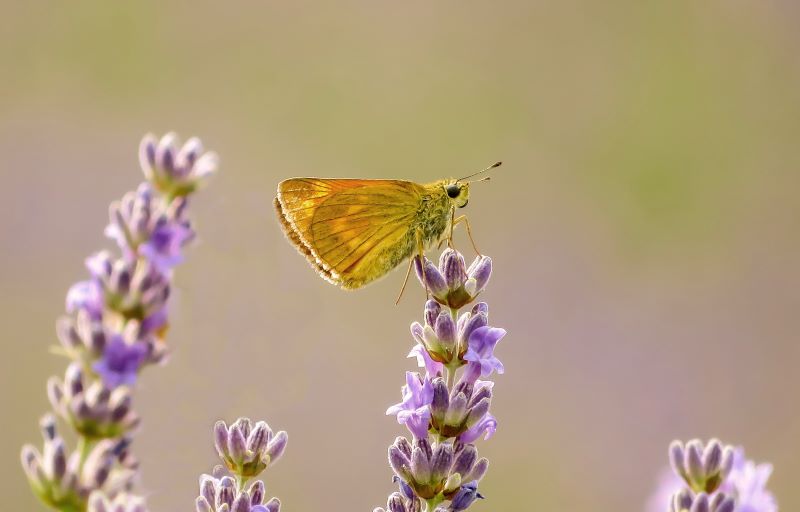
(404, 446)
(430, 277)
(441, 401)
(276, 446)
(441, 461)
(420, 465)
(453, 268)
(457, 411)
(202, 505)
(257, 492)
(465, 460)
(478, 470)
(445, 330)
(464, 497)
(225, 492)
(432, 309)
(400, 464)
(241, 503)
(396, 503)
(477, 412)
(259, 437)
(273, 505)
(244, 425)
(480, 270)
(208, 491)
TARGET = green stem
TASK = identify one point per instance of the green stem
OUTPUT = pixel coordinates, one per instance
(431, 504)
(84, 447)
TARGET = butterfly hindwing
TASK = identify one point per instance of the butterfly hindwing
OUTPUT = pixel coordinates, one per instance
(349, 229)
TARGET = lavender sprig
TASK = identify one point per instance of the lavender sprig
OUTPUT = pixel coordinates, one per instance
(447, 409)
(712, 477)
(114, 327)
(246, 449)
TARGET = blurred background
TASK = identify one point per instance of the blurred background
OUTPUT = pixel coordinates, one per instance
(644, 228)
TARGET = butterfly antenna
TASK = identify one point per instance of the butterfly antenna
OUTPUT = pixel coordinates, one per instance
(496, 164)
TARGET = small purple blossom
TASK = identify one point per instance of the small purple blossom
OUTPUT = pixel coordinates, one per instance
(88, 296)
(120, 363)
(432, 368)
(480, 354)
(414, 411)
(485, 427)
(165, 244)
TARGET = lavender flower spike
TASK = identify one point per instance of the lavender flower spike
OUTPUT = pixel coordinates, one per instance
(727, 482)
(114, 326)
(246, 449)
(447, 409)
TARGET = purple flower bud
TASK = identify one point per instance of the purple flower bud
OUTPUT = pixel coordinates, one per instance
(676, 459)
(478, 470)
(241, 503)
(712, 457)
(257, 491)
(273, 505)
(208, 491)
(445, 330)
(396, 503)
(441, 401)
(226, 492)
(457, 410)
(453, 268)
(237, 447)
(441, 461)
(430, 277)
(420, 465)
(202, 505)
(464, 497)
(277, 446)
(221, 438)
(404, 446)
(432, 310)
(480, 270)
(259, 437)
(465, 460)
(401, 464)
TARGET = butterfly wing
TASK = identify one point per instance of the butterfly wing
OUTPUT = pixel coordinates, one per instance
(351, 231)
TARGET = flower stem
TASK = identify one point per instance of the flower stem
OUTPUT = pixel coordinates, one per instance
(84, 447)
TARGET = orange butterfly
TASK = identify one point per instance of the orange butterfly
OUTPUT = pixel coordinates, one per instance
(355, 231)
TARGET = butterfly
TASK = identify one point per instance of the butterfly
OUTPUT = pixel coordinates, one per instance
(354, 231)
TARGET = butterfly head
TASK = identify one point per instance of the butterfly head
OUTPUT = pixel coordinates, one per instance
(458, 193)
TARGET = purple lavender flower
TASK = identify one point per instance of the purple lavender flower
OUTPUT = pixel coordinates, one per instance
(247, 449)
(115, 324)
(145, 226)
(741, 480)
(120, 363)
(447, 409)
(432, 368)
(172, 171)
(413, 411)
(485, 427)
(452, 283)
(480, 354)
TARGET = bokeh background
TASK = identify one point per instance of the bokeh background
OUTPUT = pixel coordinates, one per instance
(644, 227)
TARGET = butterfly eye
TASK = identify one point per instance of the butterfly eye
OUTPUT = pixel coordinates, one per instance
(453, 191)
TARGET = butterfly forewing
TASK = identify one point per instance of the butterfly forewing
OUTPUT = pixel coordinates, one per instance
(348, 229)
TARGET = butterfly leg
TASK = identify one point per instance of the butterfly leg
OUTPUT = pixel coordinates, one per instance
(465, 220)
(421, 255)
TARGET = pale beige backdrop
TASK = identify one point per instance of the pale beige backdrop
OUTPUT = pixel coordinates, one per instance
(644, 227)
